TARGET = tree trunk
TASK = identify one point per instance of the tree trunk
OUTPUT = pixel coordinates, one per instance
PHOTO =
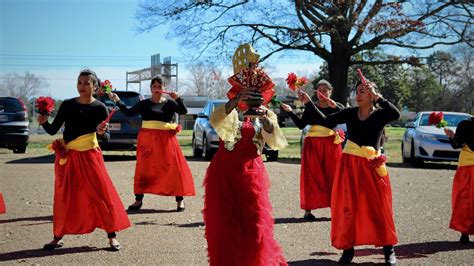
(338, 66)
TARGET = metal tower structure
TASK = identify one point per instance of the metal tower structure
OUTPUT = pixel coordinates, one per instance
(166, 69)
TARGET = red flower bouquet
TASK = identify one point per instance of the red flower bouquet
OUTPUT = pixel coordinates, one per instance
(295, 83)
(44, 105)
(59, 147)
(437, 119)
(378, 161)
(105, 88)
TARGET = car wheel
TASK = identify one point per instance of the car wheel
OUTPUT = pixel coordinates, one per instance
(21, 149)
(197, 152)
(272, 156)
(208, 152)
(415, 162)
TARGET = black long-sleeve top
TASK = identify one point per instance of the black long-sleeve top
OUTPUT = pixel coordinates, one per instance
(78, 119)
(364, 133)
(309, 118)
(150, 110)
(464, 135)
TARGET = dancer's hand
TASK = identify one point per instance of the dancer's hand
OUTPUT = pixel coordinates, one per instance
(449, 133)
(42, 119)
(174, 95)
(303, 97)
(286, 107)
(114, 97)
(371, 90)
(100, 129)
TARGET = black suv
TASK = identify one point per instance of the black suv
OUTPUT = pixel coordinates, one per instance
(123, 129)
(14, 125)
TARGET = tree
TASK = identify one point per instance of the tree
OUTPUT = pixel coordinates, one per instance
(206, 80)
(23, 86)
(424, 90)
(334, 30)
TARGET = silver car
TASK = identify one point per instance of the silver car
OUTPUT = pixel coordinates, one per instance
(205, 139)
(424, 142)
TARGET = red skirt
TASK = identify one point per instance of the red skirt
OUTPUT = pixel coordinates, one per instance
(237, 211)
(319, 161)
(84, 196)
(161, 167)
(361, 206)
(462, 218)
(3, 208)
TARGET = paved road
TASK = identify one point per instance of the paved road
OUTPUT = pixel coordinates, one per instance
(161, 236)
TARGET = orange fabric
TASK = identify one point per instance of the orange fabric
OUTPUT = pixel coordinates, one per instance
(161, 167)
(462, 217)
(361, 206)
(319, 160)
(84, 196)
(3, 208)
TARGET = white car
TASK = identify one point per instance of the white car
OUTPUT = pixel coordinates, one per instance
(424, 142)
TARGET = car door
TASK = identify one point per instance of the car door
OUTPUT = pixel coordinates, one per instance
(201, 125)
(408, 136)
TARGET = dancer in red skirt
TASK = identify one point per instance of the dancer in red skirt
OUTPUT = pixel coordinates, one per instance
(462, 218)
(3, 208)
(84, 196)
(361, 203)
(237, 210)
(161, 167)
(321, 152)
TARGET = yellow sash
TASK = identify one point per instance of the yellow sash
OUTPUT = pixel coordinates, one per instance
(320, 131)
(367, 152)
(159, 125)
(466, 157)
(82, 143)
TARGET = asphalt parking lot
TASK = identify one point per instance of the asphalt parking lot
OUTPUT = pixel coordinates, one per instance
(159, 235)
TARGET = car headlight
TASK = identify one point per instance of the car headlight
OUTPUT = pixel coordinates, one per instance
(427, 137)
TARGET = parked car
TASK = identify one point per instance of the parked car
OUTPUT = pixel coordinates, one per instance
(424, 142)
(205, 140)
(14, 125)
(123, 129)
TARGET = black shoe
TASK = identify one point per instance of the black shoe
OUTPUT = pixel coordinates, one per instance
(135, 207)
(179, 208)
(50, 246)
(464, 239)
(389, 254)
(347, 256)
(309, 217)
(115, 246)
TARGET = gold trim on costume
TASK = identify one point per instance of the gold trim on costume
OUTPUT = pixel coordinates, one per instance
(159, 125)
(466, 157)
(321, 131)
(367, 152)
(82, 143)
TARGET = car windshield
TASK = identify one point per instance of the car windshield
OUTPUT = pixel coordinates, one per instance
(452, 119)
(9, 105)
(127, 99)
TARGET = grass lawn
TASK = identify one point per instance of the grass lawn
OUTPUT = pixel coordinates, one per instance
(38, 142)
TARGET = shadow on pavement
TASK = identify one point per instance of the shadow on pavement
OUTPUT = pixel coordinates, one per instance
(31, 160)
(148, 211)
(198, 224)
(289, 160)
(32, 219)
(38, 253)
(291, 220)
(313, 262)
(419, 250)
(425, 165)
